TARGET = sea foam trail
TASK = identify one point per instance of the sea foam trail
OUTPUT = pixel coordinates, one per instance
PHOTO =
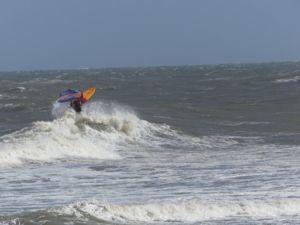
(183, 211)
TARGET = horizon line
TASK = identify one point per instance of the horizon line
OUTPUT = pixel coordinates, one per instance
(144, 66)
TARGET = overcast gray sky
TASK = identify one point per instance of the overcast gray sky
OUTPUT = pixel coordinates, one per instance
(58, 34)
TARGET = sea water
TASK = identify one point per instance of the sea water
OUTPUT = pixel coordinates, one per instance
(167, 145)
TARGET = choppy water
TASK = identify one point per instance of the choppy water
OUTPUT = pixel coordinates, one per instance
(168, 145)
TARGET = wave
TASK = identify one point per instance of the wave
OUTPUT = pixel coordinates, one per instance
(180, 210)
(46, 81)
(246, 123)
(10, 107)
(19, 89)
(66, 137)
(99, 132)
(102, 131)
(184, 211)
(288, 80)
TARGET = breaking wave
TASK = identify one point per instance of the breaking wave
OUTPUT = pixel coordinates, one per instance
(92, 135)
(182, 211)
(288, 80)
(99, 132)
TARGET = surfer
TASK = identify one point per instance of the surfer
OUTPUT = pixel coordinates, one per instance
(76, 97)
(76, 103)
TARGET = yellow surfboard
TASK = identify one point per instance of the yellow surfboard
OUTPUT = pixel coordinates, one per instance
(87, 94)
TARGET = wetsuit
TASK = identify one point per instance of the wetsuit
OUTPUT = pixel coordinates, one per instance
(77, 103)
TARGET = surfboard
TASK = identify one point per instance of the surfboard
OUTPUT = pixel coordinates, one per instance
(87, 94)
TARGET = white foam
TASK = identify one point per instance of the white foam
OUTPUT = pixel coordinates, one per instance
(10, 97)
(99, 132)
(294, 79)
(46, 81)
(48, 141)
(241, 123)
(21, 89)
(183, 211)
(15, 221)
(114, 116)
(11, 106)
(70, 136)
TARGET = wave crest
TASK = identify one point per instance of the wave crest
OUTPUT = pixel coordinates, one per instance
(182, 211)
(93, 134)
(101, 131)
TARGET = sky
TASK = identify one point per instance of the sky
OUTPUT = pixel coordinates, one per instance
(73, 34)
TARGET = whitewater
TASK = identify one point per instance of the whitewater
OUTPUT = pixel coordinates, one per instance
(167, 145)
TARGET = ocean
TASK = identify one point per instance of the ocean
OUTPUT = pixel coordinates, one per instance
(207, 144)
